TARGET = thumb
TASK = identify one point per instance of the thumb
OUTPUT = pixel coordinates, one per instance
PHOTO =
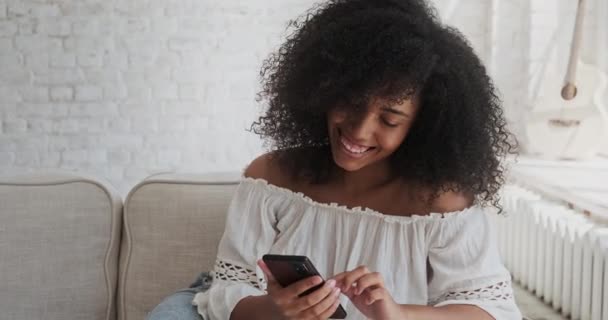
(269, 277)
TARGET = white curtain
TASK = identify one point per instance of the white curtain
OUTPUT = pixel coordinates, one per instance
(597, 52)
(555, 128)
(526, 47)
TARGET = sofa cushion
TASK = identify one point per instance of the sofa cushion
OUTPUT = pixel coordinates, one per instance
(59, 237)
(172, 226)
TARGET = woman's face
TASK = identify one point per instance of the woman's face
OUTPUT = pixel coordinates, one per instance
(359, 139)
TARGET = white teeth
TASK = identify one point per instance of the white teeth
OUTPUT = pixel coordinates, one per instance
(353, 148)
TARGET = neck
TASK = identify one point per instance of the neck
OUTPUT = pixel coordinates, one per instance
(364, 179)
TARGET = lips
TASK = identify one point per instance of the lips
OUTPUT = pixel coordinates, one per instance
(353, 148)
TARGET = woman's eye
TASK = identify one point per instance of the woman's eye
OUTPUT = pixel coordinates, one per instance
(390, 124)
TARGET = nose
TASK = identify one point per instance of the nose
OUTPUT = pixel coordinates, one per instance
(361, 127)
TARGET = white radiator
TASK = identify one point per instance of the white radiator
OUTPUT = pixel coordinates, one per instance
(555, 252)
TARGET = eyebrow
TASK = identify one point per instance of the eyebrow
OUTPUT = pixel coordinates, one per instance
(395, 111)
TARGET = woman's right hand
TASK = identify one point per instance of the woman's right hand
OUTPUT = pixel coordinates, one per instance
(320, 304)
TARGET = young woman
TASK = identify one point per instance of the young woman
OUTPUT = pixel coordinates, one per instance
(388, 140)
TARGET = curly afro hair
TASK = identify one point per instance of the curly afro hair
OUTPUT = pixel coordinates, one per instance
(348, 52)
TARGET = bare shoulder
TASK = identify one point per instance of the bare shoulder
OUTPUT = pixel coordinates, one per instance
(259, 167)
(266, 167)
(452, 201)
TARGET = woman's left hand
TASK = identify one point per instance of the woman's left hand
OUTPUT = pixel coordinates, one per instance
(367, 292)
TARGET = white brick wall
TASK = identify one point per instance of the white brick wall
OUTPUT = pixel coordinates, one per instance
(123, 89)
(128, 88)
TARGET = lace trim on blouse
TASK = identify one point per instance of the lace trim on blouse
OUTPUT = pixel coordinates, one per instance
(231, 272)
(500, 291)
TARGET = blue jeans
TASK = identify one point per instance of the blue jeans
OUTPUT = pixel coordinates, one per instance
(178, 306)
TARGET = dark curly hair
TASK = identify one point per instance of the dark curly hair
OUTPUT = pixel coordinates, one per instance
(347, 52)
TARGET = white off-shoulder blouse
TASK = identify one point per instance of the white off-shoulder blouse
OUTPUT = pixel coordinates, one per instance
(436, 259)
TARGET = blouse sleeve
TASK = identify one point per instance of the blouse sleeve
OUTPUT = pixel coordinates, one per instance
(249, 234)
(465, 267)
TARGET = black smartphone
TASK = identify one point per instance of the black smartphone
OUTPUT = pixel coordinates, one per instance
(289, 269)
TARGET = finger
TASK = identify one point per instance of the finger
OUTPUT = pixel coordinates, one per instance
(369, 280)
(352, 277)
(271, 282)
(338, 277)
(331, 310)
(296, 289)
(267, 273)
(318, 310)
(376, 294)
(350, 294)
(315, 297)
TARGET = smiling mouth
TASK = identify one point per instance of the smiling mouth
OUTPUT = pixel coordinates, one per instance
(352, 148)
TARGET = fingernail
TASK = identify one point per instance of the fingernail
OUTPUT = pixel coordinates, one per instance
(336, 291)
(331, 283)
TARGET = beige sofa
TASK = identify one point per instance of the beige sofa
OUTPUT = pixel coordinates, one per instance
(70, 249)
